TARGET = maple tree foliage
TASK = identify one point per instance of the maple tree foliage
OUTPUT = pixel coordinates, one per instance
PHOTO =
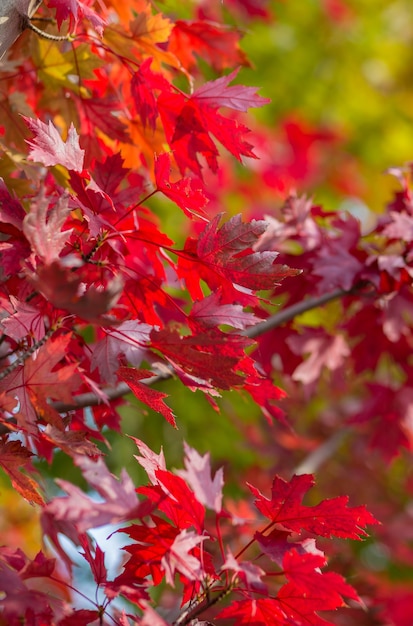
(101, 133)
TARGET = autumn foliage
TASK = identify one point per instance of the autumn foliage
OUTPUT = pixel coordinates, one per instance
(128, 274)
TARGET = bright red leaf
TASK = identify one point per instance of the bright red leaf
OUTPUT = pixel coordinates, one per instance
(329, 518)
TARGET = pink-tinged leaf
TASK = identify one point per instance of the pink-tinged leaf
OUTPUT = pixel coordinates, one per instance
(179, 559)
(49, 148)
(400, 227)
(188, 193)
(255, 612)
(127, 340)
(304, 570)
(329, 518)
(198, 475)
(24, 320)
(217, 93)
(149, 460)
(43, 226)
(210, 313)
(151, 397)
(119, 498)
(324, 350)
(129, 586)
(250, 574)
(151, 618)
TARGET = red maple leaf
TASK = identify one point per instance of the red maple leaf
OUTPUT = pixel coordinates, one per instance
(215, 43)
(330, 517)
(172, 495)
(227, 256)
(144, 393)
(304, 570)
(190, 122)
(152, 543)
(40, 378)
(255, 612)
(49, 148)
(188, 193)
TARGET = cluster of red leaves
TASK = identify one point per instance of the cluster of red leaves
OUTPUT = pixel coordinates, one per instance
(180, 534)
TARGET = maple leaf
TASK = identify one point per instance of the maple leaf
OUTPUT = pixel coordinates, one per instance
(228, 252)
(179, 559)
(11, 211)
(215, 43)
(255, 612)
(217, 93)
(96, 561)
(128, 339)
(324, 350)
(149, 460)
(36, 381)
(80, 617)
(188, 193)
(43, 227)
(49, 148)
(209, 313)
(144, 393)
(330, 517)
(304, 571)
(172, 495)
(23, 320)
(152, 544)
(143, 84)
(119, 498)
(197, 474)
(14, 455)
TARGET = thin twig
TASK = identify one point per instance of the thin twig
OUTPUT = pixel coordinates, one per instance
(292, 311)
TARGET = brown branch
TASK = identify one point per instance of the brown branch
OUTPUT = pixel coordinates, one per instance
(292, 311)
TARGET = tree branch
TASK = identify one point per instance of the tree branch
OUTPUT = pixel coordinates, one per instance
(292, 311)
